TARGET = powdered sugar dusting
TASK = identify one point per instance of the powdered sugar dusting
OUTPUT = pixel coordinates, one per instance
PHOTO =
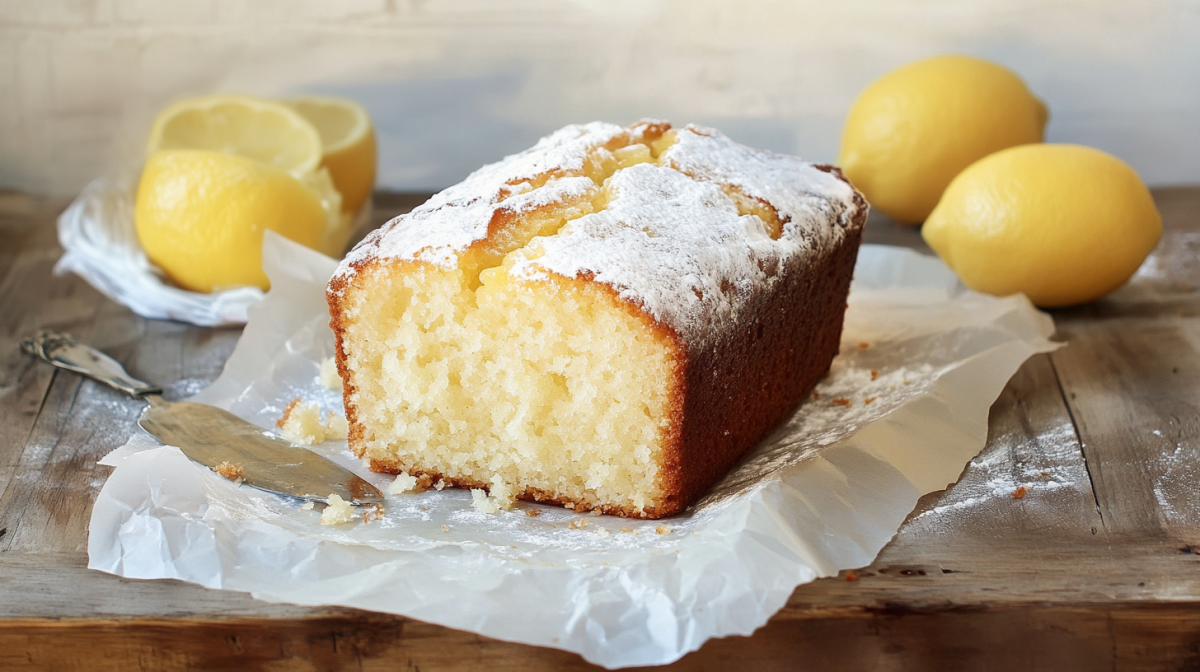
(449, 222)
(676, 246)
(670, 240)
(802, 193)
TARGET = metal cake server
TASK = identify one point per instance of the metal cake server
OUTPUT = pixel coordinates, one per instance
(210, 435)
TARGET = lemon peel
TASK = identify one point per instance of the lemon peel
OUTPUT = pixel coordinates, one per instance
(200, 216)
(911, 131)
(347, 143)
(1063, 224)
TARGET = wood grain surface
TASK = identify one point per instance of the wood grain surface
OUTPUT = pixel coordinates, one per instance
(1095, 566)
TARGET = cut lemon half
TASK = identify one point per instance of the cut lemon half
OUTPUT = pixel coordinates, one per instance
(263, 130)
(347, 144)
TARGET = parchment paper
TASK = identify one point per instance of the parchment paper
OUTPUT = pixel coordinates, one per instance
(903, 410)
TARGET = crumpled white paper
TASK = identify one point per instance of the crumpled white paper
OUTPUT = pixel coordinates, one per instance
(97, 232)
(904, 409)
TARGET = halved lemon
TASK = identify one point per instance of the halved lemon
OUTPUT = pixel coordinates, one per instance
(270, 132)
(348, 144)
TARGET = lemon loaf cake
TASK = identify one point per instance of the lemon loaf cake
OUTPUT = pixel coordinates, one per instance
(608, 320)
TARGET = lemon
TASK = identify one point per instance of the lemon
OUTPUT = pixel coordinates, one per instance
(347, 142)
(200, 216)
(258, 129)
(911, 131)
(1063, 224)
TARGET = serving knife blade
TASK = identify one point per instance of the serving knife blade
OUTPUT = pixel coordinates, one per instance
(210, 435)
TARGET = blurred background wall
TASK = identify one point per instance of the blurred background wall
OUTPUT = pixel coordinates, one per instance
(456, 83)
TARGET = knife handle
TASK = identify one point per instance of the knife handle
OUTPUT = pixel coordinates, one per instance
(65, 352)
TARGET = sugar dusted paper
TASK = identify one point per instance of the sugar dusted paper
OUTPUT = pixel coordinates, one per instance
(904, 409)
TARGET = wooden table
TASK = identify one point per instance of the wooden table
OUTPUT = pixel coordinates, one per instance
(1102, 572)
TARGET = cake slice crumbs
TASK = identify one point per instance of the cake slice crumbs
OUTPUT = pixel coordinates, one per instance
(403, 483)
(339, 511)
(533, 513)
(498, 497)
(230, 471)
(445, 529)
(374, 512)
(482, 502)
(842, 401)
(874, 374)
(816, 395)
(440, 485)
(864, 345)
(578, 524)
(329, 374)
(868, 400)
(662, 529)
(307, 506)
(1020, 492)
(602, 533)
(301, 423)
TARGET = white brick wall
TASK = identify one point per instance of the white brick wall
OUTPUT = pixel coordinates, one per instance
(455, 83)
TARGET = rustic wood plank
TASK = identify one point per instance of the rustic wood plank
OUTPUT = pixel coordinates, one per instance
(1031, 637)
(1131, 386)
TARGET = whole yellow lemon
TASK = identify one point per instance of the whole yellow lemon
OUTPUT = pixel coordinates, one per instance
(911, 131)
(1063, 224)
(200, 216)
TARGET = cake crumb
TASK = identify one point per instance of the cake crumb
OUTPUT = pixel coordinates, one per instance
(307, 506)
(1020, 492)
(339, 511)
(851, 576)
(842, 401)
(501, 493)
(230, 471)
(662, 529)
(533, 513)
(301, 423)
(329, 374)
(445, 529)
(569, 505)
(602, 533)
(440, 485)
(403, 483)
(626, 530)
(483, 503)
(868, 400)
(578, 524)
(874, 374)
(816, 395)
(374, 512)
(864, 345)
